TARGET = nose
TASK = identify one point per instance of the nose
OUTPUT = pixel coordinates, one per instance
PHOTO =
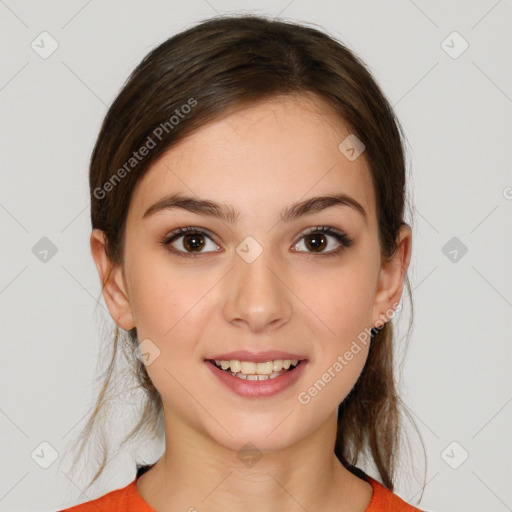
(257, 296)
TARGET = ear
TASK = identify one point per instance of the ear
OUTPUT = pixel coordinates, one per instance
(112, 279)
(391, 279)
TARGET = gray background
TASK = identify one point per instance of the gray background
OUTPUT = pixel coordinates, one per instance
(456, 110)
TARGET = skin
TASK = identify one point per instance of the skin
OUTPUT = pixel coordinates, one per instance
(259, 160)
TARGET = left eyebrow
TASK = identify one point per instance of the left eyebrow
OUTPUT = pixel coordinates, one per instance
(229, 214)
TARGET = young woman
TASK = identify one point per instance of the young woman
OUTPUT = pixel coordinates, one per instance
(247, 204)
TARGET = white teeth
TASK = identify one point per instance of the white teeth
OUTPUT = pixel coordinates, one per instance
(246, 369)
(265, 368)
(240, 375)
(235, 366)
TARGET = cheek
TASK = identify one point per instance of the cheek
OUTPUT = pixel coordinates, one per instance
(340, 301)
(170, 314)
(172, 310)
(162, 298)
(343, 301)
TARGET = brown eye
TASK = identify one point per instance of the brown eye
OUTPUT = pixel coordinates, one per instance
(318, 239)
(193, 242)
(189, 241)
(316, 242)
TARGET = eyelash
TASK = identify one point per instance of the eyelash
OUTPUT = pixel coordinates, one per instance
(342, 238)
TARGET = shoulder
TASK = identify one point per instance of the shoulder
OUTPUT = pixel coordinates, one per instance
(383, 500)
(123, 499)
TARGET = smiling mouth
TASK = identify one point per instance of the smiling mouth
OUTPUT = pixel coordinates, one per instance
(248, 370)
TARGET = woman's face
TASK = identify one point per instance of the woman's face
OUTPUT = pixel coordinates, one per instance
(253, 280)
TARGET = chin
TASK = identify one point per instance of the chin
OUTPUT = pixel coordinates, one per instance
(268, 437)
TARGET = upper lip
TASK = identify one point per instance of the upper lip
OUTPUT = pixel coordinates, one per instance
(256, 357)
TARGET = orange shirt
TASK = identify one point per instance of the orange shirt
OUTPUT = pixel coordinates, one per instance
(128, 499)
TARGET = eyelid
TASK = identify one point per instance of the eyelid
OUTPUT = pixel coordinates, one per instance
(321, 229)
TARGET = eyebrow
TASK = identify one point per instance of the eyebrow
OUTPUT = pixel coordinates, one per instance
(229, 214)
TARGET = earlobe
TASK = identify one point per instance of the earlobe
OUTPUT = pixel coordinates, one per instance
(391, 279)
(112, 279)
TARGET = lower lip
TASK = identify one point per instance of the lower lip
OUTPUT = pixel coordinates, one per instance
(258, 388)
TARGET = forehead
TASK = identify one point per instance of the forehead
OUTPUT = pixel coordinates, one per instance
(267, 154)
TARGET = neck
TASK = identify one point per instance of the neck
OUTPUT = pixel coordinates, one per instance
(195, 472)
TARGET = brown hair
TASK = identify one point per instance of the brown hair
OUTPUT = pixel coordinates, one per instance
(199, 75)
